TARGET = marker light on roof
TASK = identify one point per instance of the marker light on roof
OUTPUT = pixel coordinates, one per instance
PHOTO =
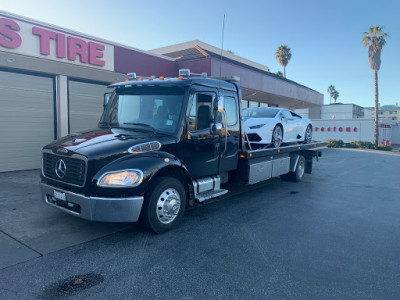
(140, 79)
(180, 78)
(161, 77)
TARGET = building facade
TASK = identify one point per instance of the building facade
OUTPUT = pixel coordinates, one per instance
(53, 80)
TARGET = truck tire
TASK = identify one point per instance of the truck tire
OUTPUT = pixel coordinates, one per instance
(298, 174)
(164, 205)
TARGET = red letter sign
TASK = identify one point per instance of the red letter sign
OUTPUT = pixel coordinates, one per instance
(77, 46)
(8, 37)
(95, 52)
(44, 36)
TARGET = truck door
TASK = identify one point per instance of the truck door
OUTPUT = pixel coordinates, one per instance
(201, 147)
(230, 134)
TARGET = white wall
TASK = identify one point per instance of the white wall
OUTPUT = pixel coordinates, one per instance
(360, 130)
(337, 111)
(396, 134)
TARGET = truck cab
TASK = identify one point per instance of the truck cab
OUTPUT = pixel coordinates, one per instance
(161, 144)
(180, 130)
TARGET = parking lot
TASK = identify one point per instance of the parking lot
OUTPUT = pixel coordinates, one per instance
(335, 235)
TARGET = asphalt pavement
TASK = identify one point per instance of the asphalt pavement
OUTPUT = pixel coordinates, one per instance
(333, 236)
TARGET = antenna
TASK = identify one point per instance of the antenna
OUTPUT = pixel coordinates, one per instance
(222, 47)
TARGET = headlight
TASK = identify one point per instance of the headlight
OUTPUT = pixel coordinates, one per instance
(123, 178)
(257, 126)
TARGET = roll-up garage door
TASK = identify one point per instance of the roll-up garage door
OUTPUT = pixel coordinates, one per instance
(26, 119)
(85, 105)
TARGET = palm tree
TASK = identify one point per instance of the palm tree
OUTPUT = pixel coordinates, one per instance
(375, 39)
(283, 55)
(331, 90)
(335, 96)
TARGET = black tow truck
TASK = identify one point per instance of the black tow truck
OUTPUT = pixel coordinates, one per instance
(162, 144)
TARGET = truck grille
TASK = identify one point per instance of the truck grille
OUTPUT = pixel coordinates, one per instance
(75, 169)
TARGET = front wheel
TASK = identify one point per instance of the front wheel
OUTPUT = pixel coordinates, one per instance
(164, 204)
(277, 136)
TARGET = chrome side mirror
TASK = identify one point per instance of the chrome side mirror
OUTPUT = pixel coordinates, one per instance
(216, 128)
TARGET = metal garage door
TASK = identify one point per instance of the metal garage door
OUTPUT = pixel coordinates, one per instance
(26, 119)
(85, 105)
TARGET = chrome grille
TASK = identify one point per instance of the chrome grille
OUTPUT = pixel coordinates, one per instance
(145, 147)
(75, 169)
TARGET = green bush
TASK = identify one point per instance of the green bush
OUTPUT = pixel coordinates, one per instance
(334, 143)
(352, 145)
(356, 144)
(366, 145)
(383, 147)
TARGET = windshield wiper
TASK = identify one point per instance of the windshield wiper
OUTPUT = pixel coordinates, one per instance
(143, 125)
(152, 128)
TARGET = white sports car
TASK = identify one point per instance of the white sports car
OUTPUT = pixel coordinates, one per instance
(275, 126)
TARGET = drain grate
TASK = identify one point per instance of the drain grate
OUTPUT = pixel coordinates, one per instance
(72, 285)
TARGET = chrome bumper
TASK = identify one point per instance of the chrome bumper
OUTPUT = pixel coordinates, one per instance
(126, 209)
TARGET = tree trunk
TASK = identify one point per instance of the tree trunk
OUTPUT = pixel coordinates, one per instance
(376, 132)
(284, 72)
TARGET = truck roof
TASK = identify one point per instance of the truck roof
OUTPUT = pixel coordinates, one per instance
(209, 82)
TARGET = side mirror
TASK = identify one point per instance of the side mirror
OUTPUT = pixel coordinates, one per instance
(107, 97)
(216, 128)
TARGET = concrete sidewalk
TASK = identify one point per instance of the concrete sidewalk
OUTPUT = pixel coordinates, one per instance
(29, 228)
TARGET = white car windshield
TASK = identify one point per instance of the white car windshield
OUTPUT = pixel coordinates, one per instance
(260, 112)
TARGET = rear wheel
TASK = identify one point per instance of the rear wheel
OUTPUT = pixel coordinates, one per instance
(277, 136)
(298, 174)
(164, 205)
(308, 135)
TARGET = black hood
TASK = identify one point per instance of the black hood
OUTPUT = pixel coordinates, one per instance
(101, 143)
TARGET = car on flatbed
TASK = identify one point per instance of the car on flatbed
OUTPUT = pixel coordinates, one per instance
(276, 126)
(161, 145)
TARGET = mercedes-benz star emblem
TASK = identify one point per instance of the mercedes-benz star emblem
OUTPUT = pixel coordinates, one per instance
(60, 168)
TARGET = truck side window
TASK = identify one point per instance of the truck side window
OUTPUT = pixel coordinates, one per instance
(200, 112)
(231, 110)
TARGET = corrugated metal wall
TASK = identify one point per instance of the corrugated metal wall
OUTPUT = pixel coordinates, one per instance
(85, 105)
(26, 119)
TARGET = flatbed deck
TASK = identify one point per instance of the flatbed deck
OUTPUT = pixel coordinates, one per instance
(281, 150)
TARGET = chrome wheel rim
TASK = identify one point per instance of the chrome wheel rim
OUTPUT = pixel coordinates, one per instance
(168, 206)
(277, 137)
(300, 169)
(308, 135)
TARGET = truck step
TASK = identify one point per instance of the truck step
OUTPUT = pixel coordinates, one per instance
(210, 194)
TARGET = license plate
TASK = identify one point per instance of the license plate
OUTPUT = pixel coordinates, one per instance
(60, 196)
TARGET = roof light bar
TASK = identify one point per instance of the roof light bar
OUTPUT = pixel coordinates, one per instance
(131, 76)
(185, 73)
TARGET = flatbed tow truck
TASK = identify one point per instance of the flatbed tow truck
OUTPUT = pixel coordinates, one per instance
(162, 144)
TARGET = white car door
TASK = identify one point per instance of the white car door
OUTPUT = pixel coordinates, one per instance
(289, 126)
(299, 126)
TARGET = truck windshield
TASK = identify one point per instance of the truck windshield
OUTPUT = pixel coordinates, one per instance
(155, 109)
(260, 112)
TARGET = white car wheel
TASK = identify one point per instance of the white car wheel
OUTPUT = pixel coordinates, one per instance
(308, 135)
(277, 136)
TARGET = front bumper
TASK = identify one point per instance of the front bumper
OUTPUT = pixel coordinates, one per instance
(124, 209)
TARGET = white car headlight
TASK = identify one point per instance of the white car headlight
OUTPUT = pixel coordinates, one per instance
(123, 178)
(256, 126)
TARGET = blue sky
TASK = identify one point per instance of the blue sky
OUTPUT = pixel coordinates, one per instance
(325, 36)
